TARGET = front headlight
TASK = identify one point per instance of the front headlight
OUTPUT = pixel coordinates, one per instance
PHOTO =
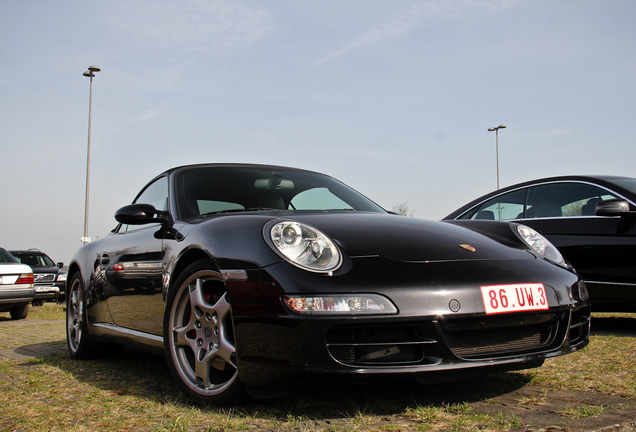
(61, 277)
(339, 304)
(540, 245)
(305, 247)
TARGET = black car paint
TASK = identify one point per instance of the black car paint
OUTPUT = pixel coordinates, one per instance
(398, 257)
(601, 247)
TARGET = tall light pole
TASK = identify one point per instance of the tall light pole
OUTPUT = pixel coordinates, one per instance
(496, 129)
(90, 73)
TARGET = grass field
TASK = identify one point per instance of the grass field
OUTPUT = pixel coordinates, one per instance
(135, 391)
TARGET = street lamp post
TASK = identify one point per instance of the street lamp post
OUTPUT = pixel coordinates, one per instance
(90, 73)
(496, 129)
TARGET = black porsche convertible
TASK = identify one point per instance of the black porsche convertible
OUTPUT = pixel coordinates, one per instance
(252, 278)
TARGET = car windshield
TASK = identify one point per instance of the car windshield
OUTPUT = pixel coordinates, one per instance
(35, 259)
(6, 257)
(208, 190)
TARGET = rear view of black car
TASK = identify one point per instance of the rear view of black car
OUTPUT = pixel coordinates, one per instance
(590, 219)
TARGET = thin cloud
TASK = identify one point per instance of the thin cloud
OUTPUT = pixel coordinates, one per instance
(205, 27)
(406, 21)
(542, 133)
(148, 115)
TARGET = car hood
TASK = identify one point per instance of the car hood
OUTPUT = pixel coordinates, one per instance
(410, 239)
(43, 269)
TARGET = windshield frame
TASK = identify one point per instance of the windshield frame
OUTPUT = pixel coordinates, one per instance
(252, 188)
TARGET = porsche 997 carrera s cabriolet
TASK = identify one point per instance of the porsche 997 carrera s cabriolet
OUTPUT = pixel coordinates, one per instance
(251, 278)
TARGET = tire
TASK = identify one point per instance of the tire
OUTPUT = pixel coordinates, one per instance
(19, 312)
(77, 338)
(199, 337)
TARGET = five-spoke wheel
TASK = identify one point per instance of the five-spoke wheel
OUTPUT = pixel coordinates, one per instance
(198, 336)
(76, 333)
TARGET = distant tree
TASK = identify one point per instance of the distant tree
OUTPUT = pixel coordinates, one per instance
(403, 209)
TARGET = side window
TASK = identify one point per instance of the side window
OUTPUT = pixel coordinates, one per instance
(503, 207)
(156, 194)
(564, 200)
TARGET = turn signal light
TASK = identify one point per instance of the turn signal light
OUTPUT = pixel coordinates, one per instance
(339, 304)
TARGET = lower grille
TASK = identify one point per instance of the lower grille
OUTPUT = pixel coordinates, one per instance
(505, 340)
(472, 339)
(381, 346)
(426, 343)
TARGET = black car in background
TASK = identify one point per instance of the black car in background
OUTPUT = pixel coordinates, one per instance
(590, 219)
(250, 277)
(50, 278)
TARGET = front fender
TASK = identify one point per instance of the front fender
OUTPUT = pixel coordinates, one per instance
(86, 262)
(234, 242)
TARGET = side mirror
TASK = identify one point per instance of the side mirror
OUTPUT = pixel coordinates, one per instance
(612, 207)
(60, 264)
(139, 214)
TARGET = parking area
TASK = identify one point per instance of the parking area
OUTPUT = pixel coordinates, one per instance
(31, 338)
(27, 338)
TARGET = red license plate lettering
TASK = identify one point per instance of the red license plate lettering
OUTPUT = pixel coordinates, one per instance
(514, 298)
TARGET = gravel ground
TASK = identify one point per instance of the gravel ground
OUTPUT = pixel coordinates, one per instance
(31, 338)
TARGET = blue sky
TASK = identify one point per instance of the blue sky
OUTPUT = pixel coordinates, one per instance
(392, 97)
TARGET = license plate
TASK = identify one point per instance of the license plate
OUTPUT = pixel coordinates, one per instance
(514, 298)
(45, 288)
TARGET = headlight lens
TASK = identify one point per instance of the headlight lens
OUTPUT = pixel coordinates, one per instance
(305, 247)
(540, 245)
(61, 277)
(339, 304)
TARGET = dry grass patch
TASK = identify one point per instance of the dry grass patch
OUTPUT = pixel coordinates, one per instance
(48, 311)
(460, 417)
(607, 365)
(584, 412)
(541, 399)
(57, 393)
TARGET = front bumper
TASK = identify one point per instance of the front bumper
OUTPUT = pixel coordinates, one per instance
(429, 338)
(46, 292)
(424, 350)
